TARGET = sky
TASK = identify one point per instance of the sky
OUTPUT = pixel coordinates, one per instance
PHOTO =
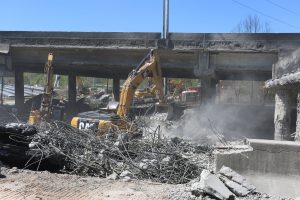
(193, 16)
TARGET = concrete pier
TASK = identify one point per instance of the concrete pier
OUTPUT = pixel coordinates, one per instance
(282, 115)
(72, 93)
(208, 90)
(19, 89)
(116, 89)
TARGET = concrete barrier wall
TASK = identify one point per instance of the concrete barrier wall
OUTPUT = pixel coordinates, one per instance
(267, 156)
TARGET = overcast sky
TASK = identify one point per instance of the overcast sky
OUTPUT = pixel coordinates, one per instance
(145, 15)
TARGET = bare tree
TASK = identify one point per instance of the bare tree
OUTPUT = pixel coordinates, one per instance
(252, 24)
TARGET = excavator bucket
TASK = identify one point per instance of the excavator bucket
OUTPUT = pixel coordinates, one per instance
(174, 110)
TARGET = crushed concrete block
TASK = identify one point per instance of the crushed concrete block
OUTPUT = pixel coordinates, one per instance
(234, 176)
(143, 165)
(126, 179)
(32, 145)
(13, 170)
(120, 164)
(266, 196)
(166, 160)
(212, 185)
(126, 173)
(153, 162)
(113, 176)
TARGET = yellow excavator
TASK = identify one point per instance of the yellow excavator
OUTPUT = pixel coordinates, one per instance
(47, 111)
(148, 68)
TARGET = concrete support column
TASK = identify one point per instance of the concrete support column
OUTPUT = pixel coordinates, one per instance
(282, 116)
(116, 89)
(297, 136)
(19, 89)
(2, 88)
(165, 85)
(72, 93)
(208, 90)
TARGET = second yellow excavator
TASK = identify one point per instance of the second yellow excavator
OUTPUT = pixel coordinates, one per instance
(47, 110)
(148, 68)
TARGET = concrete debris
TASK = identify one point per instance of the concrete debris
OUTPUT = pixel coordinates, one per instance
(126, 179)
(151, 157)
(210, 184)
(126, 176)
(166, 160)
(113, 176)
(32, 144)
(19, 128)
(143, 165)
(105, 98)
(284, 80)
(13, 170)
(93, 102)
(126, 173)
(237, 183)
(234, 187)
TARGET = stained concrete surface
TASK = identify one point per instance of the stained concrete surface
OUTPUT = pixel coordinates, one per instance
(275, 184)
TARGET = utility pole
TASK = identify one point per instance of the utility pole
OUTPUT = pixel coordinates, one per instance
(165, 32)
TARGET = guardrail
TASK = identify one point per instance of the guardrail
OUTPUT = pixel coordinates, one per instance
(9, 90)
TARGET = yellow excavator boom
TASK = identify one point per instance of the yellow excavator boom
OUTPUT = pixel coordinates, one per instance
(35, 116)
(149, 67)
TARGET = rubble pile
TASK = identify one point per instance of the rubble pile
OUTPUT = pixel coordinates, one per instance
(152, 157)
(14, 139)
(93, 102)
(126, 156)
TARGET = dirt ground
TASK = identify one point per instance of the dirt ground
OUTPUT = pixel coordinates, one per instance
(26, 184)
(44, 185)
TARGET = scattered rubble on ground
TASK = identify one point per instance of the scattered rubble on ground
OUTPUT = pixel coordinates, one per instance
(125, 157)
(226, 184)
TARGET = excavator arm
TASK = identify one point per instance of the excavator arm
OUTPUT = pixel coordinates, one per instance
(149, 67)
(47, 111)
(48, 89)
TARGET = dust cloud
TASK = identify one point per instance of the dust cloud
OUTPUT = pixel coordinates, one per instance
(211, 121)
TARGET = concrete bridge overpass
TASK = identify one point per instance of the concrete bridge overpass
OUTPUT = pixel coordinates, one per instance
(113, 55)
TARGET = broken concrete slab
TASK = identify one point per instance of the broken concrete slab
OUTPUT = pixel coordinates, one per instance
(237, 178)
(210, 184)
(234, 187)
